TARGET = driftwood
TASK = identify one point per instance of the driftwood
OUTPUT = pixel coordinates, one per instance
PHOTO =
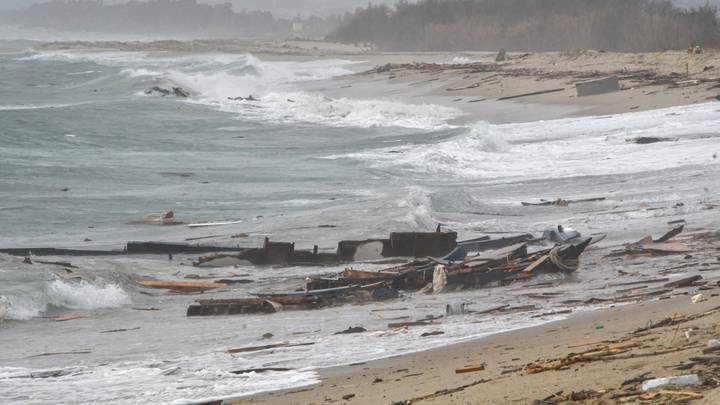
(266, 347)
(587, 356)
(469, 369)
(180, 286)
(407, 324)
(260, 370)
(534, 93)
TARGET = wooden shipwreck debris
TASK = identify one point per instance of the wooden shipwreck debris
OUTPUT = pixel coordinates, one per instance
(274, 301)
(644, 140)
(534, 93)
(561, 202)
(261, 370)
(180, 286)
(683, 282)
(485, 243)
(469, 369)
(661, 246)
(597, 86)
(69, 316)
(504, 265)
(266, 347)
(234, 307)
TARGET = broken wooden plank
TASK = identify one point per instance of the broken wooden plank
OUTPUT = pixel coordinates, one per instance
(407, 324)
(534, 93)
(67, 317)
(469, 369)
(120, 330)
(62, 353)
(498, 308)
(655, 280)
(683, 282)
(670, 234)
(266, 347)
(180, 286)
(260, 370)
(542, 259)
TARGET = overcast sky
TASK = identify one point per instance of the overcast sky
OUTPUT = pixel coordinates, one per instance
(284, 8)
(291, 8)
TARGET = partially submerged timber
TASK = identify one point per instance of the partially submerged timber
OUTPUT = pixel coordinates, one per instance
(275, 301)
(456, 270)
(399, 244)
(467, 271)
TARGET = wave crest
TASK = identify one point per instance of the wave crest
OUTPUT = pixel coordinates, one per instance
(61, 294)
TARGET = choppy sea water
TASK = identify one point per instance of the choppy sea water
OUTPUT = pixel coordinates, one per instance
(284, 165)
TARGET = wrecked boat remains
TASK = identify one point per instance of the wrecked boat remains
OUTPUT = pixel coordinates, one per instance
(469, 264)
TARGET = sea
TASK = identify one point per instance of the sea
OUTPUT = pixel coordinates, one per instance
(317, 155)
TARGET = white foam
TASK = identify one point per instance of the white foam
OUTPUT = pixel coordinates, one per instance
(83, 295)
(74, 295)
(178, 381)
(301, 107)
(418, 204)
(87, 72)
(561, 148)
(19, 107)
(213, 79)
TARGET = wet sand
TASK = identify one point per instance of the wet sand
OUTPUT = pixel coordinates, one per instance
(430, 377)
(475, 83)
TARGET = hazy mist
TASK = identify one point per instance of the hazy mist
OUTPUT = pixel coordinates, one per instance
(280, 8)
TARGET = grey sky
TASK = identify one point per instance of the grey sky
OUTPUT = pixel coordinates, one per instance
(281, 8)
(291, 8)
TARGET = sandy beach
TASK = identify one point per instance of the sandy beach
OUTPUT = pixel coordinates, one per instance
(430, 377)
(475, 82)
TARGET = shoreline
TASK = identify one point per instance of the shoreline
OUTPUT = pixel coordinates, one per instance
(409, 378)
(429, 376)
(477, 89)
(474, 82)
(541, 86)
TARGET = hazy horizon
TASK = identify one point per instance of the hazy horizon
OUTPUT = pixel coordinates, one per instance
(279, 8)
(302, 8)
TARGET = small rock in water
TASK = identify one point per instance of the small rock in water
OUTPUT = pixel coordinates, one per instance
(267, 335)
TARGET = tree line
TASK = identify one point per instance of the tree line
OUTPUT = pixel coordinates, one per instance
(531, 25)
(186, 18)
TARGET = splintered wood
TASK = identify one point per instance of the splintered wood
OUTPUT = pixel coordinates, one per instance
(573, 358)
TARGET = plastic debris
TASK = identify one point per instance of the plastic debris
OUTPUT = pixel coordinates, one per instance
(697, 298)
(681, 380)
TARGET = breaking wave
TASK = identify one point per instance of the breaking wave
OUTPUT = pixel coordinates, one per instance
(418, 203)
(60, 294)
(299, 107)
(560, 148)
(214, 79)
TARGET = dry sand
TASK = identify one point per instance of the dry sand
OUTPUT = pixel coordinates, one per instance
(647, 81)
